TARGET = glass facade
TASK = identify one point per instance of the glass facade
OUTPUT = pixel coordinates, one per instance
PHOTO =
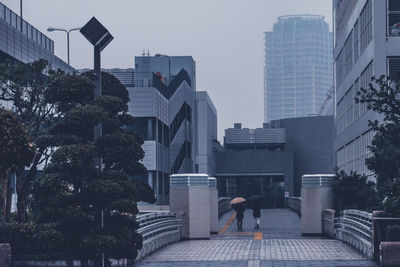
(26, 44)
(298, 66)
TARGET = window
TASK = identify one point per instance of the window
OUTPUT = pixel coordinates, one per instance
(340, 114)
(356, 105)
(393, 65)
(348, 46)
(393, 17)
(24, 27)
(13, 20)
(365, 80)
(365, 26)
(356, 42)
(30, 31)
(2, 11)
(8, 16)
(349, 107)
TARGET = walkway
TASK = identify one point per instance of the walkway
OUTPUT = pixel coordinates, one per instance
(278, 242)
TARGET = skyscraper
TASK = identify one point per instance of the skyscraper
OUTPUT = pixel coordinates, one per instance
(298, 70)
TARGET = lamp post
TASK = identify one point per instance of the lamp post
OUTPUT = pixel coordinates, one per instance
(51, 29)
(99, 37)
(169, 65)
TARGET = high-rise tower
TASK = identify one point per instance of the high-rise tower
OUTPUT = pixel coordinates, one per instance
(298, 66)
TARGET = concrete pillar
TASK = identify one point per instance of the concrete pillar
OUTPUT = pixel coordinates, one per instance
(316, 196)
(189, 198)
(212, 184)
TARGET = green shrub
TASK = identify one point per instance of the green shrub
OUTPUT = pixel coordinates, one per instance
(393, 233)
(354, 191)
(31, 239)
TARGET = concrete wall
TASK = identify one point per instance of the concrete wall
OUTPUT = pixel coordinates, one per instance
(314, 200)
(206, 134)
(311, 141)
(253, 162)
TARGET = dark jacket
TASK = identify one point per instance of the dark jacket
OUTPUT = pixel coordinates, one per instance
(239, 211)
(256, 210)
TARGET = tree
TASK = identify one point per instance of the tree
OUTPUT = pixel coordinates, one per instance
(16, 151)
(354, 191)
(25, 87)
(73, 195)
(383, 96)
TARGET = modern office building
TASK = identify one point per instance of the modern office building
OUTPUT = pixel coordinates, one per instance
(163, 105)
(20, 41)
(126, 76)
(206, 131)
(270, 161)
(366, 44)
(298, 66)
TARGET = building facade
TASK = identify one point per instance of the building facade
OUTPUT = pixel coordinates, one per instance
(20, 41)
(298, 66)
(366, 44)
(270, 161)
(164, 112)
(206, 134)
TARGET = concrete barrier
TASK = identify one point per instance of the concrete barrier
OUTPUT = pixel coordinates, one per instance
(328, 222)
(390, 253)
(294, 203)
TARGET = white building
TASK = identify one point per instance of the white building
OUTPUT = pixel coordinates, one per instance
(206, 128)
(298, 66)
(366, 43)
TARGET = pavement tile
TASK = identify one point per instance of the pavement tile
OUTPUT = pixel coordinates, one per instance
(282, 245)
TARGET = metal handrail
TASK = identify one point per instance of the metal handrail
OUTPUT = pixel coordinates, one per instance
(355, 228)
(158, 229)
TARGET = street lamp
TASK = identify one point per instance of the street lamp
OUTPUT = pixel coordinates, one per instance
(169, 65)
(51, 29)
(99, 37)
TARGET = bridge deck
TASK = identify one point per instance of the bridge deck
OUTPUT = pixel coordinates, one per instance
(278, 242)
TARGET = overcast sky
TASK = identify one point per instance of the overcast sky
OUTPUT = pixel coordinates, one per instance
(225, 38)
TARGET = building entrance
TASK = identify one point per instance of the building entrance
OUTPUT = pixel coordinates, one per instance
(269, 188)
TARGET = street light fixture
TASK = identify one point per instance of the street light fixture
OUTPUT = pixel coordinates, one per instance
(99, 37)
(51, 29)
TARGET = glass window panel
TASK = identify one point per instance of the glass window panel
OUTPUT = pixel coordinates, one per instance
(24, 27)
(13, 20)
(18, 23)
(2, 11)
(394, 5)
(8, 16)
(30, 31)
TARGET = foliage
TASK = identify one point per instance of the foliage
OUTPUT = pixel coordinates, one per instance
(383, 97)
(31, 239)
(393, 233)
(73, 194)
(25, 86)
(16, 151)
(354, 191)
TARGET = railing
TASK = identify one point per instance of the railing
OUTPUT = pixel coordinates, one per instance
(158, 229)
(294, 203)
(355, 228)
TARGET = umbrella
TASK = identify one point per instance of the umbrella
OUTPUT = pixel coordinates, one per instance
(237, 200)
(255, 200)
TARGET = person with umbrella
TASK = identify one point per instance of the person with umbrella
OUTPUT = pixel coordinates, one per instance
(238, 205)
(255, 201)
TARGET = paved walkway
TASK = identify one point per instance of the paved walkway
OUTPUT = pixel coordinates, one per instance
(278, 242)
